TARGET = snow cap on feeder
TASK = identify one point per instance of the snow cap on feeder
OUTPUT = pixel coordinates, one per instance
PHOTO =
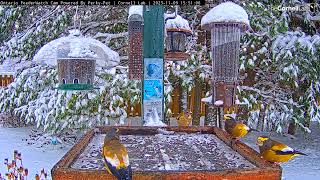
(106, 57)
(226, 21)
(177, 31)
(135, 28)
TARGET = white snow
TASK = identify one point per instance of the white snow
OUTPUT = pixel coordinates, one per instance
(226, 12)
(218, 103)
(9, 67)
(178, 22)
(286, 42)
(136, 9)
(154, 120)
(34, 158)
(301, 167)
(233, 115)
(207, 99)
(238, 102)
(77, 45)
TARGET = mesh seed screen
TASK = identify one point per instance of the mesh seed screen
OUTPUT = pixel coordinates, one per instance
(225, 45)
(135, 46)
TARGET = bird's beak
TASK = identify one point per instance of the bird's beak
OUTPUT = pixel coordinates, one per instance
(251, 129)
(300, 153)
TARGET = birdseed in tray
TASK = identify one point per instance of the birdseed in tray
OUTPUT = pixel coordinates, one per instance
(162, 152)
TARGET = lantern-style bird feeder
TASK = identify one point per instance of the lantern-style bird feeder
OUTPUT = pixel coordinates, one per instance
(177, 30)
(76, 67)
(76, 57)
(226, 22)
(135, 29)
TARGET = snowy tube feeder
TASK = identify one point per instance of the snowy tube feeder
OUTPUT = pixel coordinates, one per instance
(135, 28)
(226, 22)
(177, 30)
(168, 153)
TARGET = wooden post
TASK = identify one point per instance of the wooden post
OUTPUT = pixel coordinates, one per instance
(153, 52)
(196, 101)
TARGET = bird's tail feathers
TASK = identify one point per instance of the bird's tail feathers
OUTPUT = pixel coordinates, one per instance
(125, 173)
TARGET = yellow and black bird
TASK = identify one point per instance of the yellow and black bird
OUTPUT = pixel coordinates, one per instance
(236, 129)
(184, 119)
(116, 156)
(275, 151)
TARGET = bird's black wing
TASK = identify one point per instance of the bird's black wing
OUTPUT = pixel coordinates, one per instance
(120, 174)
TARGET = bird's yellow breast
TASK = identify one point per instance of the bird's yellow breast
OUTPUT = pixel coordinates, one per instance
(239, 131)
(271, 156)
(116, 153)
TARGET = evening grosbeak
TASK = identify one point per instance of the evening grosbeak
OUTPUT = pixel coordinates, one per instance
(184, 119)
(116, 156)
(275, 151)
(235, 128)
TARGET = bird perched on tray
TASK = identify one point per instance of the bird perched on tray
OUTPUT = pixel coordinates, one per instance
(236, 129)
(275, 151)
(184, 119)
(116, 156)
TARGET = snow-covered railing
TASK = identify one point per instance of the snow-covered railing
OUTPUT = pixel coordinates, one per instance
(6, 79)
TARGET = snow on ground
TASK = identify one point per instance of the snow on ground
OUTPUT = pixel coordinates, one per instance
(226, 12)
(154, 119)
(34, 158)
(301, 167)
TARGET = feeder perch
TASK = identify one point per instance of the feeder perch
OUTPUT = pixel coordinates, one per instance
(177, 30)
(135, 27)
(226, 22)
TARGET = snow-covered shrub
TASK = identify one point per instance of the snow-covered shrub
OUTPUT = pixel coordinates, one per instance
(280, 68)
(33, 96)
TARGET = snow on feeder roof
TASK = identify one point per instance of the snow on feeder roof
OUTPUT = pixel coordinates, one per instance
(136, 12)
(178, 23)
(227, 12)
(177, 30)
(226, 22)
(76, 45)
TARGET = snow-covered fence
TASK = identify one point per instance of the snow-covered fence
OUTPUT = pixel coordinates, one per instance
(5, 80)
(175, 105)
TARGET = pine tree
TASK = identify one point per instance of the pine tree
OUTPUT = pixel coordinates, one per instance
(279, 71)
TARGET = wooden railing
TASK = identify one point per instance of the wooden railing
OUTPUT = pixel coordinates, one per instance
(5, 80)
(175, 105)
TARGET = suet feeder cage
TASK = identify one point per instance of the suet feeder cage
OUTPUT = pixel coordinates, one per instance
(135, 28)
(226, 22)
(177, 31)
